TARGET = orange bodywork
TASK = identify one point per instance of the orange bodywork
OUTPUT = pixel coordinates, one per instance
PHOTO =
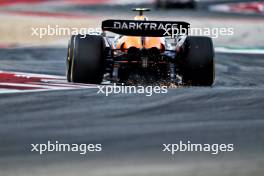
(126, 42)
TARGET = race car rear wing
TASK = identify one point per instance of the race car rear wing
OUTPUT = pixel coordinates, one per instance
(146, 28)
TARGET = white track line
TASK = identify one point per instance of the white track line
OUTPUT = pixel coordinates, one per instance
(239, 51)
(45, 83)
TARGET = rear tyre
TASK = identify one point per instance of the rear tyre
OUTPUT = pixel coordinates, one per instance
(87, 63)
(198, 62)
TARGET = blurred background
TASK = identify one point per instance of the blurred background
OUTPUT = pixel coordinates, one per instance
(19, 17)
(133, 128)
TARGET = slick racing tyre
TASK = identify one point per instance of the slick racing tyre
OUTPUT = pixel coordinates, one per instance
(87, 62)
(198, 62)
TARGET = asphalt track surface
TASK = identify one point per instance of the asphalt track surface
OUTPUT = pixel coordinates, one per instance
(135, 126)
(132, 128)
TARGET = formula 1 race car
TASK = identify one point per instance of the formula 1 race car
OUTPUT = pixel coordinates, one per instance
(142, 47)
